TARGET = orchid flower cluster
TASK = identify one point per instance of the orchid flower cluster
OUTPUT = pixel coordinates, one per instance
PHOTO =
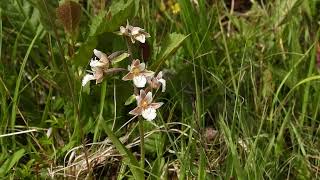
(142, 78)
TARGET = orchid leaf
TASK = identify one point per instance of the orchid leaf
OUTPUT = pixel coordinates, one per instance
(130, 100)
(120, 58)
(119, 12)
(84, 54)
(170, 45)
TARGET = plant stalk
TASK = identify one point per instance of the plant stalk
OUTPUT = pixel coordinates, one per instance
(142, 153)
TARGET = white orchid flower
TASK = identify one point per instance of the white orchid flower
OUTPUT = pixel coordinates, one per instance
(135, 33)
(145, 106)
(156, 82)
(138, 73)
(100, 67)
(97, 67)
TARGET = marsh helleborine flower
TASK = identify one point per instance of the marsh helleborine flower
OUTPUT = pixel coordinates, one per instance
(156, 82)
(145, 106)
(135, 33)
(138, 73)
(97, 67)
(100, 68)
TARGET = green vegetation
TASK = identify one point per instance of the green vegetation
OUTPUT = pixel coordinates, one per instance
(242, 98)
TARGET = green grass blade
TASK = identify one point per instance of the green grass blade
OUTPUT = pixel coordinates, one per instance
(128, 157)
(202, 165)
(18, 82)
(9, 163)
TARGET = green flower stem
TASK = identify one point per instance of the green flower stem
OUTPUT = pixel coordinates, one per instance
(142, 153)
(128, 41)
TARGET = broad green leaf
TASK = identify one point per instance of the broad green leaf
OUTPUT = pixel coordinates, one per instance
(170, 45)
(119, 13)
(9, 163)
(97, 23)
(130, 100)
(120, 58)
(84, 54)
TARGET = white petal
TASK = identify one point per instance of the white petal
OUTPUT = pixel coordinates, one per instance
(141, 38)
(163, 83)
(149, 114)
(142, 66)
(87, 78)
(135, 30)
(139, 81)
(149, 97)
(96, 63)
(138, 98)
(147, 73)
(122, 30)
(97, 53)
(49, 132)
(160, 74)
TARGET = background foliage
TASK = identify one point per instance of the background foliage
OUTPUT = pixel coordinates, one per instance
(242, 99)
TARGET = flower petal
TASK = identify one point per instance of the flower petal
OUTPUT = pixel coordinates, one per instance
(87, 78)
(99, 80)
(149, 114)
(96, 63)
(135, 62)
(136, 30)
(123, 30)
(128, 76)
(159, 76)
(156, 105)
(142, 66)
(148, 97)
(136, 111)
(138, 98)
(163, 83)
(142, 94)
(147, 73)
(98, 75)
(97, 53)
(139, 81)
(141, 38)
(103, 58)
